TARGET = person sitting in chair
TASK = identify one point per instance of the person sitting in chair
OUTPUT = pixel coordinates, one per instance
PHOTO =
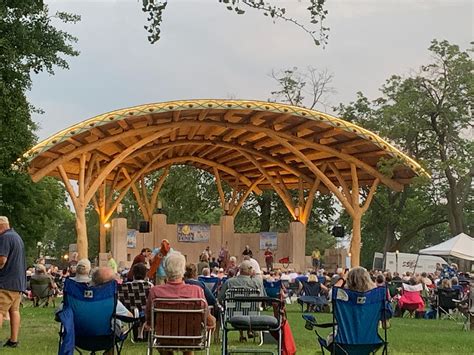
(103, 275)
(40, 277)
(175, 288)
(83, 269)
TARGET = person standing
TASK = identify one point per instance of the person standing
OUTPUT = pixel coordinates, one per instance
(268, 259)
(12, 278)
(315, 257)
(247, 251)
(112, 263)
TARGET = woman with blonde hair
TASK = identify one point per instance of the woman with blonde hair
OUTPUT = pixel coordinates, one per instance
(358, 279)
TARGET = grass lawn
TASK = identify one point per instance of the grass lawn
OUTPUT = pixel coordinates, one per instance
(39, 335)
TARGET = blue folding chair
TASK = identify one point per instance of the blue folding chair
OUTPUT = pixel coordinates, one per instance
(88, 319)
(272, 288)
(212, 283)
(355, 325)
(311, 296)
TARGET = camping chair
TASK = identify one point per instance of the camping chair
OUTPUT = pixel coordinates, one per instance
(311, 296)
(179, 325)
(88, 319)
(356, 317)
(272, 288)
(212, 283)
(242, 313)
(134, 295)
(41, 292)
(411, 301)
(445, 302)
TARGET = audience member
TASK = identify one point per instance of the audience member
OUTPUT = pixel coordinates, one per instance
(83, 269)
(203, 263)
(191, 278)
(175, 288)
(143, 257)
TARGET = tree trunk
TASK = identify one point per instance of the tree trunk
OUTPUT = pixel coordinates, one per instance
(389, 237)
(265, 204)
(455, 213)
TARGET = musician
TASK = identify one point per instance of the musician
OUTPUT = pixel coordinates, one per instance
(157, 271)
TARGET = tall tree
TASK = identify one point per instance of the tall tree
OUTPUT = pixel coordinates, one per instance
(29, 43)
(428, 114)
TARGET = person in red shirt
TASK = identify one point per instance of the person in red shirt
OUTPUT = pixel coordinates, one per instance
(175, 287)
(268, 259)
(143, 257)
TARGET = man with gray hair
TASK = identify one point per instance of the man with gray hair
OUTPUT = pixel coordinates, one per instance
(175, 264)
(12, 278)
(244, 279)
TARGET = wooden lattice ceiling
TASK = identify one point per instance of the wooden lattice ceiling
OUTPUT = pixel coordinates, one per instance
(244, 140)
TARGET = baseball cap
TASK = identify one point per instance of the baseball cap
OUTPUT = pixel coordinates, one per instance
(85, 264)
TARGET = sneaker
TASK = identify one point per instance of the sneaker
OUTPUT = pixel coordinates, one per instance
(10, 344)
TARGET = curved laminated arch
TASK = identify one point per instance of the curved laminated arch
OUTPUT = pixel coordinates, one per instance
(252, 145)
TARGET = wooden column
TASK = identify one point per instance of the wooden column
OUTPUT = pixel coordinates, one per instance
(80, 205)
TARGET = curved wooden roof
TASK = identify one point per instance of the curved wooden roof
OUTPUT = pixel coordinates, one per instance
(246, 141)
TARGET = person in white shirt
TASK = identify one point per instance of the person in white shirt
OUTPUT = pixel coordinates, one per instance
(255, 266)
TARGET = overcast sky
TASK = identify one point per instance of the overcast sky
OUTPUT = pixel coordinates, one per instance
(207, 51)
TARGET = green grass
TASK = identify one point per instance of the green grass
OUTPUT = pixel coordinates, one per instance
(39, 335)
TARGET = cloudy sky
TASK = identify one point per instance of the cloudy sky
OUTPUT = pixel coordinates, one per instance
(207, 51)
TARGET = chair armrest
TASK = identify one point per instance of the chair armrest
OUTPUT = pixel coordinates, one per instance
(127, 319)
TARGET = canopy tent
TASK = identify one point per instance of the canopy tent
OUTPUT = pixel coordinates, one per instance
(460, 246)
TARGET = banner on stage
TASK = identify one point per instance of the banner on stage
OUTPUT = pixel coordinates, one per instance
(268, 240)
(194, 233)
(131, 238)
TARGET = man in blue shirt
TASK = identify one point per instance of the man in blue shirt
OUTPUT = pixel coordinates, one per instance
(12, 278)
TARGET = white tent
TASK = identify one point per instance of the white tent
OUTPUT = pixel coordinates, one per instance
(460, 246)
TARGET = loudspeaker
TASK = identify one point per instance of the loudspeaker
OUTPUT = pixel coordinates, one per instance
(338, 231)
(144, 227)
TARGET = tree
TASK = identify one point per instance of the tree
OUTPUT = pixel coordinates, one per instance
(295, 86)
(428, 115)
(29, 43)
(315, 28)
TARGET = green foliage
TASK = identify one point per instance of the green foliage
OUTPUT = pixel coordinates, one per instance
(29, 43)
(428, 116)
(35, 210)
(315, 29)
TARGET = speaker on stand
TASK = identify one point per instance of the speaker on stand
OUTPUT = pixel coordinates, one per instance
(144, 227)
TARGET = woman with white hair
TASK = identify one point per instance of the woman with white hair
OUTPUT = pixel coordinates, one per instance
(175, 264)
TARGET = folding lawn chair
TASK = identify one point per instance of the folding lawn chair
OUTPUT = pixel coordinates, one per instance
(242, 313)
(212, 283)
(88, 319)
(134, 295)
(179, 325)
(355, 324)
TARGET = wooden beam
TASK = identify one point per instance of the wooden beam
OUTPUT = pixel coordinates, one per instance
(345, 202)
(371, 194)
(242, 199)
(288, 203)
(341, 180)
(219, 186)
(118, 160)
